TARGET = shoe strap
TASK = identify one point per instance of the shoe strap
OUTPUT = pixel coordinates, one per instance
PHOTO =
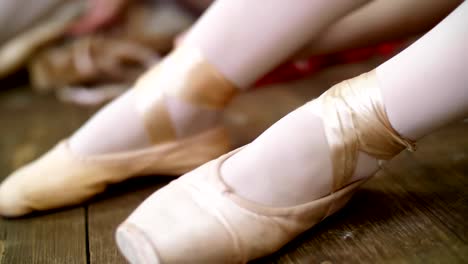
(355, 120)
(184, 74)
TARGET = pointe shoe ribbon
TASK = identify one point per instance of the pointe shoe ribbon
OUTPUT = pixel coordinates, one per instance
(199, 219)
(61, 178)
(195, 81)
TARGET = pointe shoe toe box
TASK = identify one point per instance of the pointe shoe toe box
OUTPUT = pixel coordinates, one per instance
(195, 219)
(11, 201)
(55, 179)
(198, 219)
(166, 231)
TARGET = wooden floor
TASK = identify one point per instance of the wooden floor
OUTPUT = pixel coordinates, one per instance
(413, 211)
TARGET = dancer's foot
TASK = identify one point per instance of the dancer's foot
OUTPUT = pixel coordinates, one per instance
(251, 202)
(181, 97)
(168, 124)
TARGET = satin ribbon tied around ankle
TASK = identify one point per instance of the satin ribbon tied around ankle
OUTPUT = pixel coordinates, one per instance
(356, 120)
(184, 74)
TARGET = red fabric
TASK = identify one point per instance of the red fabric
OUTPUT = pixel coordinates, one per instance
(298, 69)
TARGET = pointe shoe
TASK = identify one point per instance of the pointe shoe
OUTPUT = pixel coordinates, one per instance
(61, 178)
(199, 219)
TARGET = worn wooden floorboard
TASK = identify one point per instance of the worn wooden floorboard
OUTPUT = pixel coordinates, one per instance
(440, 178)
(56, 238)
(30, 125)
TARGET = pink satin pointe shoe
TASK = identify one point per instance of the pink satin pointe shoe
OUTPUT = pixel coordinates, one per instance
(62, 178)
(199, 219)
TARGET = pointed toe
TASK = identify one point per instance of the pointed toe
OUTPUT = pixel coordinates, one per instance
(135, 246)
(12, 203)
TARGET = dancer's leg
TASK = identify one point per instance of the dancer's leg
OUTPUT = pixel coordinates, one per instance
(245, 39)
(423, 88)
(379, 21)
(376, 22)
(426, 86)
(223, 35)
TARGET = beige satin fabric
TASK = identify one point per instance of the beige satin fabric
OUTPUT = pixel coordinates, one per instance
(184, 74)
(355, 120)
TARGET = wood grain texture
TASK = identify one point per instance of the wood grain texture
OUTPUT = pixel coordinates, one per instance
(439, 178)
(30, 126)
(52, 238)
